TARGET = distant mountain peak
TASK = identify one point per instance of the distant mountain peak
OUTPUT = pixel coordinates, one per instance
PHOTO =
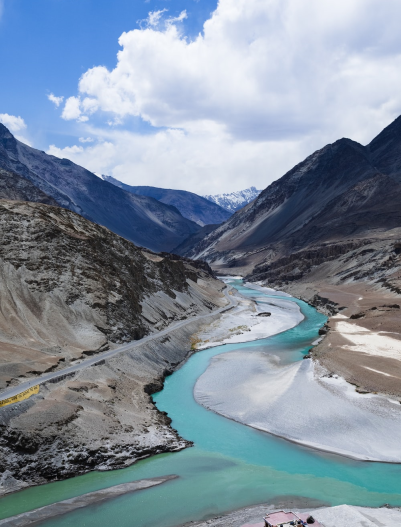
(193, 207)
(234, 201)
(29, 174)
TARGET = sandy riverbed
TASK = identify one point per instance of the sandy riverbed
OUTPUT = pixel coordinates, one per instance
(300, 402)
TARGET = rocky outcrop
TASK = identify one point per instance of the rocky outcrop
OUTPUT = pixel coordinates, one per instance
(298, 264)
(103, 418)
(140, 219)
(369, 260)
(70, 288)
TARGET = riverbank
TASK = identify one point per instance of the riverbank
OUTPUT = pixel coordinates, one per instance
(230, 466)
(302, 402)
(363, 345)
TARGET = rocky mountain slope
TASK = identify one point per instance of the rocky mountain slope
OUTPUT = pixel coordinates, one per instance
(342, 192)
(193, 240)
(15, 187)
(234, 201)
(69, 289)
(196, 208)
(140, 219)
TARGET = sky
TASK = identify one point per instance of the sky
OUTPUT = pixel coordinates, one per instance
(203, 95)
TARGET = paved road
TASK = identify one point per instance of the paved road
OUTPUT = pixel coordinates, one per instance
(15, 390)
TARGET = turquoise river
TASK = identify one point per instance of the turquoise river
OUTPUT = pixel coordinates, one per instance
(230, 466)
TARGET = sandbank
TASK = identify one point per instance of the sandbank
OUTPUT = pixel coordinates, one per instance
(37, 516)
(244, 323)
(299, 402)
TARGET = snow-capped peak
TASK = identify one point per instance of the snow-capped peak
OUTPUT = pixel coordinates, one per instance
(234, 201)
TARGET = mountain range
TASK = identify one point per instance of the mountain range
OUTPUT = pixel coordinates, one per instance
(193, 207)
(344, 192)
(41, 177)
(234, 201)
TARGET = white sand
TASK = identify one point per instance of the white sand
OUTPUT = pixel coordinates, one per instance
(242, 323)
(294, 402)
(366, 341)
(348, 516)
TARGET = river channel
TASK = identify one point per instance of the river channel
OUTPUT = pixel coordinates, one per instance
(230, 465)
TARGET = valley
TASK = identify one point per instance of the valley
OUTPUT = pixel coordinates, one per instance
(259, 467)
(100, 325)
(142, 220)
(200, 263)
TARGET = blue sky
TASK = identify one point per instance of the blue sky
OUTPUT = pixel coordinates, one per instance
(46, 45)
(208, 96)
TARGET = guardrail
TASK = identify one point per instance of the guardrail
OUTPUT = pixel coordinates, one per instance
(20, 396)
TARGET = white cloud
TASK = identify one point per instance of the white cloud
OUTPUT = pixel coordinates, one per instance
(13, 123)
(67, 152)
(56, 100)
(154, 17)
(89, 106)
(173, 158)
(72, 109)
(270, 79)
(180, 18)
(78, 109)
(263, 68)
(86, 140)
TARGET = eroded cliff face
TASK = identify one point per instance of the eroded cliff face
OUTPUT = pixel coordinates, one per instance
(99, 419)
(70, 288)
